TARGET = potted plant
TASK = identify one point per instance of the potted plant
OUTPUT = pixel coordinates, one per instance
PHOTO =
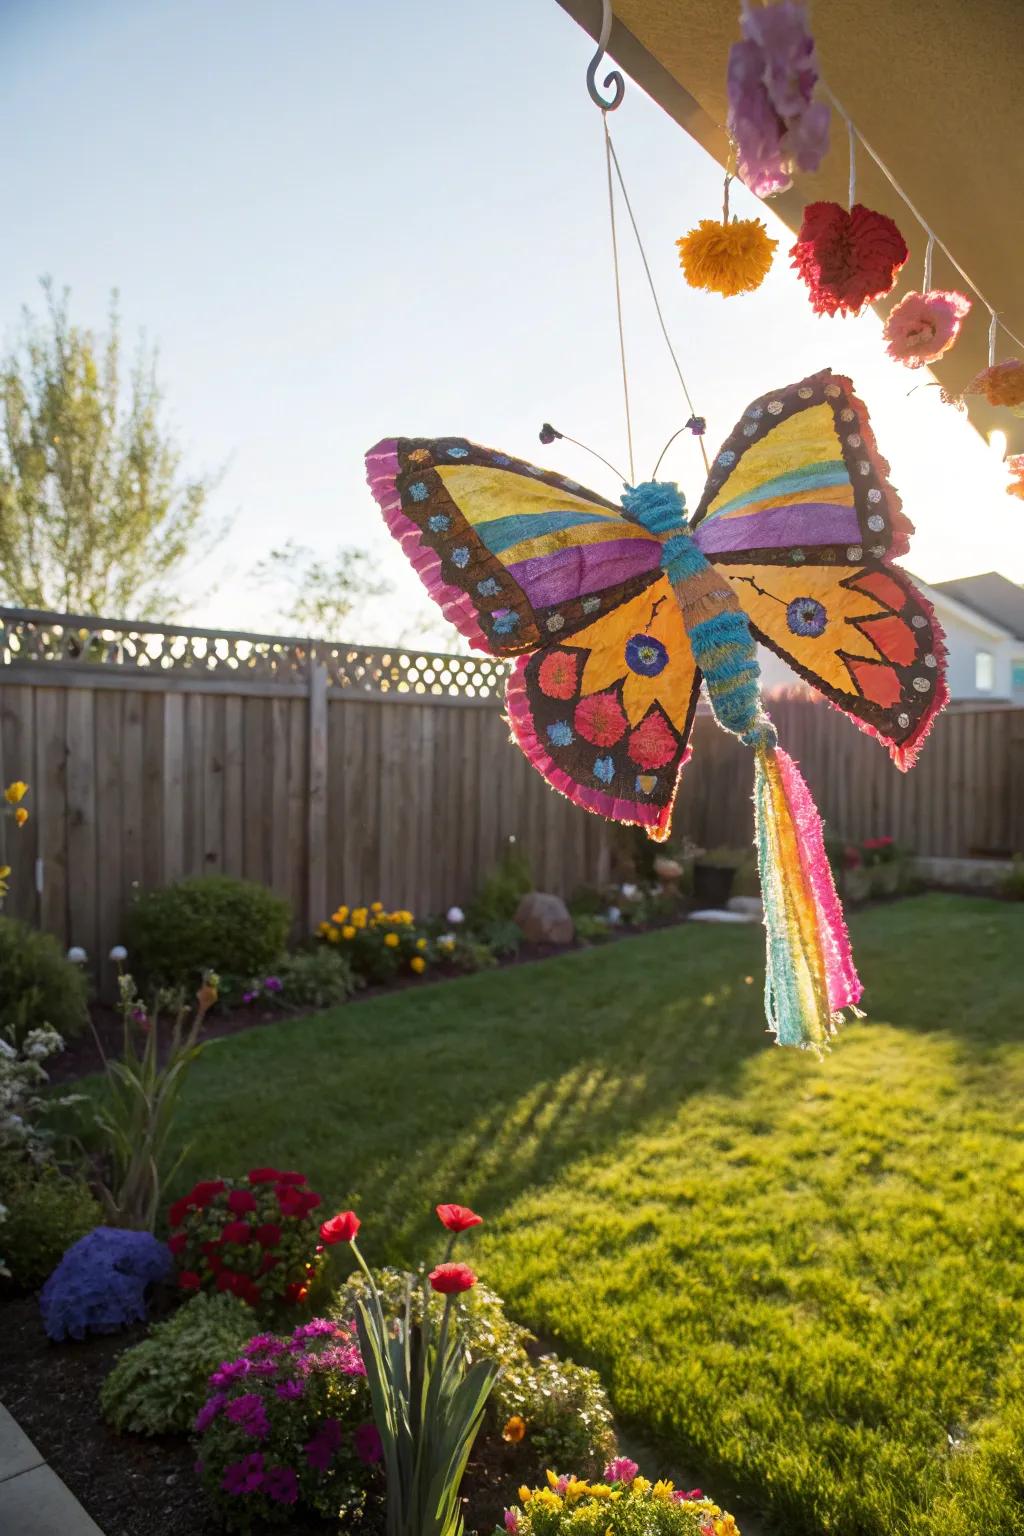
(713, 875)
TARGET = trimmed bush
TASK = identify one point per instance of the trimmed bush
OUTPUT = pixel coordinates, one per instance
(159, 1386)
(46, 1212)
(38, 984)
(211, 922)
(315, 978)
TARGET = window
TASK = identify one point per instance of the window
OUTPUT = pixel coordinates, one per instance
(984, 671)
(1017, 678)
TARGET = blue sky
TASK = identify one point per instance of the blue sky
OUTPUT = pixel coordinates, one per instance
(340, 221)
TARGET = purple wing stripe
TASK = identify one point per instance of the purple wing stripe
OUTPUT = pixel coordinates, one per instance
(583, 568)
(808, 522)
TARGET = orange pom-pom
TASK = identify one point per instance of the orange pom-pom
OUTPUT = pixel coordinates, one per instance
(1002, 384)
(1016, 467)
(728, 258)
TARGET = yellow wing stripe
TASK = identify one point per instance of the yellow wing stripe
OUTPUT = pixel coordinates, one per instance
(483, 493)
(833, 495)
(568, 538)
(806, 437)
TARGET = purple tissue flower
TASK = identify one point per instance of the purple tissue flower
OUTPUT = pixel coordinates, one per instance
(101, 1282)
(772, 115)
(244, 1476)
(249, 1414)
(321, 1449)
(281, 1485)
(209, 1411)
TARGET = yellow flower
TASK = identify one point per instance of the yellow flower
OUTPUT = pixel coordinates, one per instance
(391, 940)
(359, 917)
(515, 1429)
(340, 916)
(21, 815)
(598, 1491)
(662, 1489)
(348, 932)
(640, 690)
(640, 1486)
(726, 1526)
(525, 1494)
(15, 792)
(332, 935)
(323, 929)
(421, 943)
(5, 870)
(376, 906)
(548, 1498)
(418, 964)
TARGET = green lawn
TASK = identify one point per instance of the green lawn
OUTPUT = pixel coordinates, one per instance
(803, 1280)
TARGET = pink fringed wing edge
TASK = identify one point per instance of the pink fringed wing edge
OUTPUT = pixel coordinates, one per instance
(457, 606)
(656, 819)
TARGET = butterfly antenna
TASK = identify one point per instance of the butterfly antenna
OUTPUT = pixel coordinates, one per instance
(548, 434)
(696, 425)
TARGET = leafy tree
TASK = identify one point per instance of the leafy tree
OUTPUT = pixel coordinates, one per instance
(320, 595)
(95, 516)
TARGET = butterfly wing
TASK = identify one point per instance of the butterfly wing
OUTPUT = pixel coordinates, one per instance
(606, 714)
(800, 517)
(514, 555)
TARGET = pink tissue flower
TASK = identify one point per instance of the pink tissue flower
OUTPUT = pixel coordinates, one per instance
(922, 326)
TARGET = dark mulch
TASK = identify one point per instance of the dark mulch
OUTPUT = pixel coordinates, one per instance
(135, 1486)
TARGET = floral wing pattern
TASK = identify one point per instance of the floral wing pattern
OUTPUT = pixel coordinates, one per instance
(605, 716)
(514, 555)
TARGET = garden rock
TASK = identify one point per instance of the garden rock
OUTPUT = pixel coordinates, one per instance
(544, 919)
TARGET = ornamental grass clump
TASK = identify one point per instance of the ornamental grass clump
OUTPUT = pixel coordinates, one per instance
(288, 1423)
(378, 945)
(623, 1504)
(428, 1402)
(255, 1238)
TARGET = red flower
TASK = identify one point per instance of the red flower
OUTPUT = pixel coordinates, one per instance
(178, 1211)
(557, 675)
(205, 1191)
(240, 1201)
(846, 259)
(269, 1235)
(246, 1290)
(215, 1263)
(263, 1176)
(291, 1178)
(458, 1218)
(177, 1242)
(295, 1291)
(238, 1232)
(652, 744)
(599, 719)
(226, 1280)
(294, 1202)
(189, 1280)
(340, 1229)
(268, 1261)
(450, 1279)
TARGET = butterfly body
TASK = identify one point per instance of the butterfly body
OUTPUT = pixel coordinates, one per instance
(616, 614)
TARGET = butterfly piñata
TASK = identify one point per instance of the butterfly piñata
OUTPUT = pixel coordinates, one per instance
(616, 614)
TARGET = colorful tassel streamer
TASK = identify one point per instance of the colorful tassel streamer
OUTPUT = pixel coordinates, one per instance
(810, 975)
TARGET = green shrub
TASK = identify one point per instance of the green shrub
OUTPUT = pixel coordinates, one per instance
(502, 938)
(45, 1212)
(38, 984)
(593, 929)
(1012, 887)
(313, 978)
(212, 922)
(500, 894)
(158, 1387)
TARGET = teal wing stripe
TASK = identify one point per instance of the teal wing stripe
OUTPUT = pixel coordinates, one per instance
(811, 477)
(503, 532)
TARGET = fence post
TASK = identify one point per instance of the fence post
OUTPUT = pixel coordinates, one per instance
(316, 819)
(1016, 772)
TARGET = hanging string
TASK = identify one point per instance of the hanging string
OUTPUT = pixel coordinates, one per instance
(650, 284)
(992, 338)
(891, 179)
(926, 285)
(608, 152)
(852, 193)
(725, 199)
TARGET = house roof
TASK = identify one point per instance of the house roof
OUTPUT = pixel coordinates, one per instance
(993, 596)
(935, 90)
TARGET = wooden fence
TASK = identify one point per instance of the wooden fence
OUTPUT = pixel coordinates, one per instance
(346, 773)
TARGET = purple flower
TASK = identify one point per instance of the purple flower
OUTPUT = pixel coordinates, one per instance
(263, 1344)
(772, 115)
(290, 1391)
(321, 1449)
(209, 1411)
(274, 984)
(368, 1444)
(317, 1328)
(281, 1485)
(249, 1414)
(337, 1357)
(621, 1470)
(264, 1368)
(244, 1476)
(229, 1371)
(511, 1521)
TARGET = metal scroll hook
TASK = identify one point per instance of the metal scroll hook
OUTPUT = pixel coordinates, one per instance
(613, 81)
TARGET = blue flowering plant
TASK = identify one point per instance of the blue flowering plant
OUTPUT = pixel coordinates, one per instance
(102, 1283)
(289, 1423)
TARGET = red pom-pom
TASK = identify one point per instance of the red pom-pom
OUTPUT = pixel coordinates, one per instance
(846, 259)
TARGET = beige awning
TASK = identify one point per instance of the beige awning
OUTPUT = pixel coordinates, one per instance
(935, 89)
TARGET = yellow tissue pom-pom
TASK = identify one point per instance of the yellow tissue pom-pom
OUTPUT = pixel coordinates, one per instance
(726, 258)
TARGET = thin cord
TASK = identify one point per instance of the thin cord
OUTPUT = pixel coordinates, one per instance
(618, 294)
(890, 178)
(992, 338)
(650, 283)
(852, 193)
(928, 253)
